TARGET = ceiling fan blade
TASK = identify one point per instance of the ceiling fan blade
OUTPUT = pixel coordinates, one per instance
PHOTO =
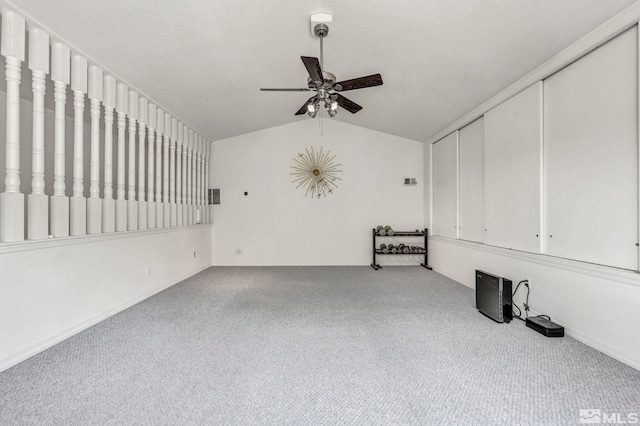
(358, 83)
(348, 104)
(313, 67)
(304, 110)
(302, 89)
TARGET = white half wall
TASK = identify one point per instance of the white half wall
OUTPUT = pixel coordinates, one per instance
(275, 224)
(52, 289)
(597, 305)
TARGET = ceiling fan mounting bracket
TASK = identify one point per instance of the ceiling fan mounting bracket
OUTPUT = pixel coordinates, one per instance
(321, 30)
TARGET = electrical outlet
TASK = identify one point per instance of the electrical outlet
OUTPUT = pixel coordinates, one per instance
(148, 270)
(529, 281)
(194, 254)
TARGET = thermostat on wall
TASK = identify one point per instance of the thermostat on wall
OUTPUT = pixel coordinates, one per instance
(410, 181)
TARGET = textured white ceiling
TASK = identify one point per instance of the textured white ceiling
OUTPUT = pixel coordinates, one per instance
(204, 60)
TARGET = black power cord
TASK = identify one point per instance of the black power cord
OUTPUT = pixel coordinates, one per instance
(526, 303)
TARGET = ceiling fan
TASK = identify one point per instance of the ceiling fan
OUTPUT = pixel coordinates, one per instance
(325, 85)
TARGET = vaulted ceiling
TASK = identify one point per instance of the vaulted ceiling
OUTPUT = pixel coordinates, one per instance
(204, 60)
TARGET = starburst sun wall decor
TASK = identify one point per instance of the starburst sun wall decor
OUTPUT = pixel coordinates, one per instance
(315, 172)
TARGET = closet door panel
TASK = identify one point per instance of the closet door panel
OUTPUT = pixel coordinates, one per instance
(591, 156)
(472, 181)
(512, 171)
(445, 186)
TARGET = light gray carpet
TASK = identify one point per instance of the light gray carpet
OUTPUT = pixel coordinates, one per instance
(313, 345)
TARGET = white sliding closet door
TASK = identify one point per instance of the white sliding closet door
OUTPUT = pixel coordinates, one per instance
(512, 179)
(472, 181)
(591, 156)
(445, 186)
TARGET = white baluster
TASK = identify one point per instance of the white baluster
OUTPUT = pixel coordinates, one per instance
(12, 200)
(198, 169)
(179, 174)
(185, 144)
(165, 171)
(143, 111)
(122, 104)
(78, 202)
(190, 178)
(37, 201)
(172, 172)
(94, 203)
(207, 180)
(159, 205)
(132, 204)
(108, 203)
(203, 186)
(151, 204)
(61, 76)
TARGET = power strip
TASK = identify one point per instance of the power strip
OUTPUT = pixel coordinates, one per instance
(545, 327)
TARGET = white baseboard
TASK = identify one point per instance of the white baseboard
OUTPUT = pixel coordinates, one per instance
(44, 344)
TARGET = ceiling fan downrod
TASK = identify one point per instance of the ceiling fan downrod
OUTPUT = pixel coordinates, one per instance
(321, 31)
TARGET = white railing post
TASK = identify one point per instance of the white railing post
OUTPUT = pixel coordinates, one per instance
(132, 204)
(61, 76)
(151, 204)
(185, 144)
(198, 179)
(208, 174)
(94, 203)
(38, 201)
(78, 202)
(179, 174)
(143, 109)
(165, 171)
(159, 205)
(203, 181)
(12, 200)
(108, 203)
(122, 103)
(172, 172)
(190, 179)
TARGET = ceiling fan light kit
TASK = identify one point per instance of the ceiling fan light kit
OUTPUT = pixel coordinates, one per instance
(324, 83)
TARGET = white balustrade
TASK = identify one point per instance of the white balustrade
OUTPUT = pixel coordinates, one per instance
(78, 203)
(172, 172)
(94, 203)
(172, 175)
(151, 204)
(178, 200)
(165, 171)
(122, 107)
(108, 203)
(143, 110)
(12, 200)
(132, 204)
(37, 201)
(159, 204)
(190, 178)
(61, 76)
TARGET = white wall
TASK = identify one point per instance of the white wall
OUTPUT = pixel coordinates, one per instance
(276, 225)
(52, 289)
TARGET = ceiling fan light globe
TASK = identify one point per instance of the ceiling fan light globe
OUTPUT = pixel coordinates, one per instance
(332, 112)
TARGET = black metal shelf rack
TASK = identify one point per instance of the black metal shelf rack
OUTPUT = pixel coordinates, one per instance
(424, 252)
